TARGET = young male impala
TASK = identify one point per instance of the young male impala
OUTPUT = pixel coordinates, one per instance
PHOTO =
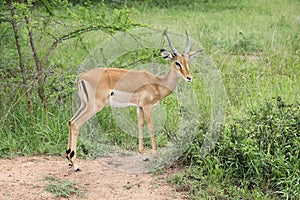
(121, 88)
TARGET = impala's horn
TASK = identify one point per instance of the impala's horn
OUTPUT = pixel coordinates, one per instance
(188, 47)
(170, 44)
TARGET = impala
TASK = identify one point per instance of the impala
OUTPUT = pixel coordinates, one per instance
(101, 87)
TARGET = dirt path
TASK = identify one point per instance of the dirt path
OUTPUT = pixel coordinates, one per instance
(27, 177)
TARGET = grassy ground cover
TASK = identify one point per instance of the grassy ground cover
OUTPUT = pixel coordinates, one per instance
(255, 45)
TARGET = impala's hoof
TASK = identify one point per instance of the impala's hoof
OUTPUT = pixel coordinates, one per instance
(145, 159)
(77, 169)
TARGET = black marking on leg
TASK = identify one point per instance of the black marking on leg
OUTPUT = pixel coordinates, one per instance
(72, 154)
(84, 89)
(112, 93)
(78, 170)
(68, 151)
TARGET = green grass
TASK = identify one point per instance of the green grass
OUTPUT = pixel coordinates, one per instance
(44, 132)
(257, 154)
(255, 46)
(63, 188)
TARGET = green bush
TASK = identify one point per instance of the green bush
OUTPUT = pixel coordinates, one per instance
(259, 153)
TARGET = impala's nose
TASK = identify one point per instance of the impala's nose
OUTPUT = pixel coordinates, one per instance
(188, 79)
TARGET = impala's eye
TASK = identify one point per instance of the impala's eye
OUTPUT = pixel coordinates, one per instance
(177, 64)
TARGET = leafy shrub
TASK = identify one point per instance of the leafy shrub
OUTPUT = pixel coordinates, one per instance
(259, 153)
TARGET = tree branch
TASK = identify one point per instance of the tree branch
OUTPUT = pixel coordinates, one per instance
(39, 66)
(21, 60)
(74, 34)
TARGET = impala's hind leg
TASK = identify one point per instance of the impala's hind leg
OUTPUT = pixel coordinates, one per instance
(74, 126)
(87, 110)
(71, 132)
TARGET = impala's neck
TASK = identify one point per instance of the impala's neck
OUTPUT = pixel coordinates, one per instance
(168, 83)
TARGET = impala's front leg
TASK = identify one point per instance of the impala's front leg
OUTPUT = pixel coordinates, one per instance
(150, 124)
(140, 116)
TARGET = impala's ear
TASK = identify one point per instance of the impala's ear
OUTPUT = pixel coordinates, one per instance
(166, 54)
(194, 53)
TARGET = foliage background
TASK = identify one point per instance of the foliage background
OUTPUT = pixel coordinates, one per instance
(255, 44)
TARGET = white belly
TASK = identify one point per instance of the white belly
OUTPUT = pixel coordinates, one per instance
(120, 99)
(117, 104)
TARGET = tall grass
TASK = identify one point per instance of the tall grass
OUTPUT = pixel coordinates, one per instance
(258, 154)
(24, 134)
(255, 45)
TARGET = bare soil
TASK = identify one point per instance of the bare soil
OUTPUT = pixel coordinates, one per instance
(101, 178)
